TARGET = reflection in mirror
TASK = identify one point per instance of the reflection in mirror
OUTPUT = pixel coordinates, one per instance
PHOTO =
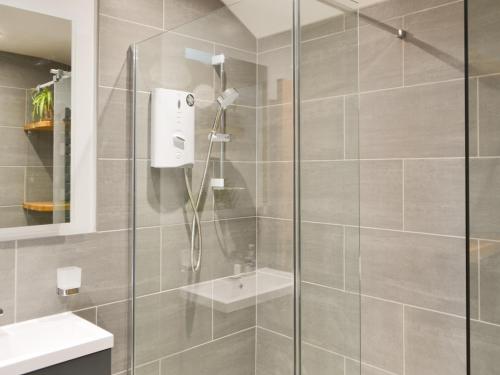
(35, 118)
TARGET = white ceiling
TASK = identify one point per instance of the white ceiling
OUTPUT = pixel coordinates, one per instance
(269, 17)
(35, 34)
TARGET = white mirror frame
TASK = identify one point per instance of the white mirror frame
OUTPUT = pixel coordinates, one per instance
(83, 16)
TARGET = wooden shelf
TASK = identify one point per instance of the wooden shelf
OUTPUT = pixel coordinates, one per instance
(40, 126)
(45, 206)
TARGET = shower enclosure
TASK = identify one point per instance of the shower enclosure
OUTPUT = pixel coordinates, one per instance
(349, 212)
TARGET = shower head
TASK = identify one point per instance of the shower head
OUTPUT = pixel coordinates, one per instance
(228, 97)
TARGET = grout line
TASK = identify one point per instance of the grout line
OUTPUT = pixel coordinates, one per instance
(403, 195)
(211, 42)
(131, 22)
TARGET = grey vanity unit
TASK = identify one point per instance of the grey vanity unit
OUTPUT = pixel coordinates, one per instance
(93, 364)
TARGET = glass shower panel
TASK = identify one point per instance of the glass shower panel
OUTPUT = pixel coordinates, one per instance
(215, 319)
(330, 303)
(484, 183)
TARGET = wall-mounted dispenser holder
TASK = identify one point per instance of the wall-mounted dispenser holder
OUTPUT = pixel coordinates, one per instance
(69, 281)
(172, 128)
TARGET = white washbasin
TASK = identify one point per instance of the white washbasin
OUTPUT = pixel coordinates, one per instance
(40, 343)
(238, 292)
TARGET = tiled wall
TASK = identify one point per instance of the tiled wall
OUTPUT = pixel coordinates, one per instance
(25, 158)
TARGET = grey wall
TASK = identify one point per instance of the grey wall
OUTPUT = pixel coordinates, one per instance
(25, 158)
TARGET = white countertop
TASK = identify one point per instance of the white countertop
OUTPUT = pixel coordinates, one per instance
(35, 344)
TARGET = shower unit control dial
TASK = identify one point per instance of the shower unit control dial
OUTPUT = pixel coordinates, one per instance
(172, 128)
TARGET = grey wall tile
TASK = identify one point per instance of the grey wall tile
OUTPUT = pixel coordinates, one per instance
(322, 130)
(149, 369)
(240, 73)
(386, 130)
(114, 123)
(88, 314)
(381, 198)
(382, 334)
(380, 57)
(39, 184)
(322, 254)
(489, 135)
(142, 126)
(329, 66)
(169, 322)
(147, 261)
(7, 282)
(321, 28)
(434, 46)
(275, 41)
(434, 343)
(473, 117)
(23, 71)
(274, 354)
(11, 186)
(331, 320)
(115, 37)
(330, 192)
(145, 12)
(14, 147)
(232, 355)
(434, 196)
(483, 34)
(275, 185)
(316, 361)
(485, 348)
(180, 12)
(393, 8)
(275, 133)
(240, 123)
(352, 259)
(12, 107)
(15, 216)
(275, 247)
(113, 199)
(238, 199)
(104, 260)
(474, 278)
(221, 26)
(356, 368)
(274, 77)
(351, 132)
(484, 202)
(148, 194)
(421, 270)
(117, 319)
(489, 261)
(276, 314)
(40, 148)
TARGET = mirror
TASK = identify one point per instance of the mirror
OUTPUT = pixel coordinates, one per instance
(47, 118)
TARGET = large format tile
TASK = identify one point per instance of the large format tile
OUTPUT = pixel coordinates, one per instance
(146, 12)
(331, 319)
(274, 354)
(485, 348)
(275, 190)
(275, 244)
(489, 111)
(11, 186)
(275, 133)
(416, 269)
(238, 198)
(149, 369)
(489, 281)
(381, 193)
(103, 257)
(7, 281)
(384, 10)
(114, 123)
(434, 343)
(435, 196)
(330, 192)
(484, 201)
(382, 334)
(15, 216)
(434, 46)
(321, 130)
(180, 12)
(115, 38)
(232, 355)
(329, 66)
(22, 71)
(322, 254)
(380, 57)
(169, 322)
(12, 107)
(148, 194)
(14, 147)
(148, 267)
(316, 361)
(113, 195)
(274, 77)
(117, 319)
(240, 123)
(484, 31)
(386, 130)
(39, 184)
(328, 25)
